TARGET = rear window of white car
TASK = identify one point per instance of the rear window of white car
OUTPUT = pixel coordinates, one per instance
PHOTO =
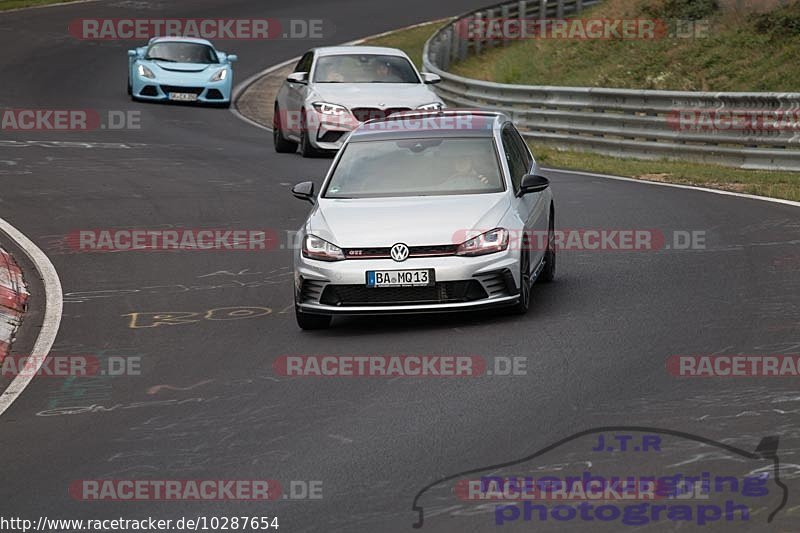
(364, 68)
(416, 167)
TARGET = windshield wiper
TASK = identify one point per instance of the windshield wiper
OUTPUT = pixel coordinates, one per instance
(161, 59)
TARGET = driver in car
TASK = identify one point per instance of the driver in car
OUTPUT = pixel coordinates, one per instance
(328, 73)
(467, 174)
(384, 73)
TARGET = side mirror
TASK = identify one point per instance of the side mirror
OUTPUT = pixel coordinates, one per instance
(304, 191)
(233, 58)
(532, 183)
(132, 53)
(297, 77)
(430, 78)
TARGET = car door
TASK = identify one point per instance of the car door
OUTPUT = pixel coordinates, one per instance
(531, 208)
(296, 94)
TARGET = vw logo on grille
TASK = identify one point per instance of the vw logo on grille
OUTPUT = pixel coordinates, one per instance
(399, 252)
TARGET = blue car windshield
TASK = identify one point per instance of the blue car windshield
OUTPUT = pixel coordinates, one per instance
(176, 52)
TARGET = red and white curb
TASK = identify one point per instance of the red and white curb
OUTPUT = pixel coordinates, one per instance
(13, 299)
(52, 306)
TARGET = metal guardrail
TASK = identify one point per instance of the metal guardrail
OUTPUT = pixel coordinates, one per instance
(621, 122)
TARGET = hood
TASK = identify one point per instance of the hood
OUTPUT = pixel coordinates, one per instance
(415, 221)
(183, 67)
(381, 95)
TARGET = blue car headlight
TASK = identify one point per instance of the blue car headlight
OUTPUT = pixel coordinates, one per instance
(220, 75)
(145, 72)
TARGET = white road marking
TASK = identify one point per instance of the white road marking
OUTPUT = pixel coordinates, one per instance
(68, 144)
(52, 312)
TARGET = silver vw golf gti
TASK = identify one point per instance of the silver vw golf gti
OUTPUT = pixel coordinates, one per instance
(425, 212)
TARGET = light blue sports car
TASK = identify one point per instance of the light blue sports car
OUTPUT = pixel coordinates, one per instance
(180, 69)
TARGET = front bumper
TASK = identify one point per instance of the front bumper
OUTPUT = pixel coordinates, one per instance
(209, 92)
(462, 284)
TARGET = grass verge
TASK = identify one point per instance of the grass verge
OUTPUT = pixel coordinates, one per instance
(725, 49)
(410, 41)
(17, 4)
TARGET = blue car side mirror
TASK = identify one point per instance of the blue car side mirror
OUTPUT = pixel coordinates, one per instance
(232, 58)
(132, 53)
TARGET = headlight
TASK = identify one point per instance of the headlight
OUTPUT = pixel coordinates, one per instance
(490, 242)
(316, 248)
(433, 106)
(145, 72)
(221, 75)
(329, 109)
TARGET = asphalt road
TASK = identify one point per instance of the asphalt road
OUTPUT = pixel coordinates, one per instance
(596, 340)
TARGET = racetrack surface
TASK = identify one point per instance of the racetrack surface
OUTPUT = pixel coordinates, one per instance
(596, 339)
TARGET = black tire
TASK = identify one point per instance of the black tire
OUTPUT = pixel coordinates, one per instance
(306, 150)
(548, 272)
(311, 322)
(130, 88)
(522, 306)
(282, 145)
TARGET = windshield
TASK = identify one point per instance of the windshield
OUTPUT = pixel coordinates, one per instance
(416, 167)
(364, 68)
(182, 53)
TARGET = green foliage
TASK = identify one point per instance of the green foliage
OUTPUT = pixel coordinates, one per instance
(683, 9)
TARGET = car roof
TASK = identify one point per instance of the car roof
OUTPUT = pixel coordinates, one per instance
(178, 39)
(370, 50)
(430, 124)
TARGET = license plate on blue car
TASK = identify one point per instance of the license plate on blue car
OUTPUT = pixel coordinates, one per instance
(183, 97)
(400, 278)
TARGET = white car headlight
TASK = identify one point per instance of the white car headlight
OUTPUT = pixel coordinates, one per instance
(329, 109)
(490, 242)
(433, 106)
(145, 72)
(316, 248)
(220, 75)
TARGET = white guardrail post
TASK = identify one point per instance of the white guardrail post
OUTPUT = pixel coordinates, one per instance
(644, 124)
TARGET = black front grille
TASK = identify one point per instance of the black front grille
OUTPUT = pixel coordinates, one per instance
(331, 136)
(175, 89)
(149, 90)
(413, 251)
(442, 292)
(364, 114)
(498, 283)
(310, 290)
